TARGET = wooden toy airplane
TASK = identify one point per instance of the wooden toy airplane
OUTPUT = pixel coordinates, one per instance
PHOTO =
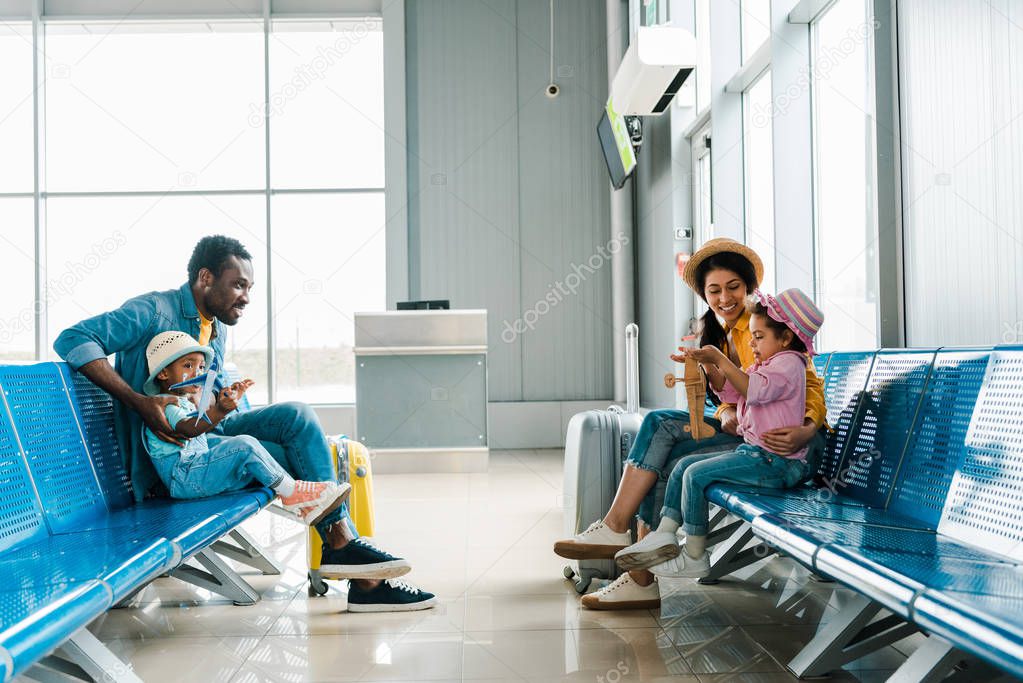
(696, 396)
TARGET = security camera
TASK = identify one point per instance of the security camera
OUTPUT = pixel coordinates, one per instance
(552, 90)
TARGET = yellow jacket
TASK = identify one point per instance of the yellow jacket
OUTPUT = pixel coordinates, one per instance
(815, 408)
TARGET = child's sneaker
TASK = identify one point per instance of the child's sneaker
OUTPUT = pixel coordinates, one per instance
(313, 500)
(654, 548)
(683, 566)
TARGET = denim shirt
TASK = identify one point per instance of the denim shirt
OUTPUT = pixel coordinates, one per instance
(126, 332)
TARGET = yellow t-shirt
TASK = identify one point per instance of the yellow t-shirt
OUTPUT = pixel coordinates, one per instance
(205, 330)
(815, 408)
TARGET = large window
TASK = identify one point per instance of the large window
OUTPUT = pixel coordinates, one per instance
(155, 135)
(703, 54)
(17, 244)
(758, 160)
(755, 25)
(327, 132)
(845, 224)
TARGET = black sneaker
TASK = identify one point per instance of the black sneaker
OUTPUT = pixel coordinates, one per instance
(361, 560)
(392, 595)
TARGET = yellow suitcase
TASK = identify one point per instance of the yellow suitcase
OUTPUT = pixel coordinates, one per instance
(351, 463)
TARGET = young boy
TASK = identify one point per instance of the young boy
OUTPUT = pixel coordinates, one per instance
(194, 470)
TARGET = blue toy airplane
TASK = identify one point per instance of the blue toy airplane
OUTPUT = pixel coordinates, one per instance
(207, 380)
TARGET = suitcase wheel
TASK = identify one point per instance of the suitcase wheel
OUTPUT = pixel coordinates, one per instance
(317, 586)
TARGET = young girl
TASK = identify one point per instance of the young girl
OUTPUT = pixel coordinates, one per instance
(193, 469)
(773, 394)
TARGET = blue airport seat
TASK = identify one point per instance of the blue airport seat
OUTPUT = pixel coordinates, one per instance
(37, 620)
(938, 541)
(72, 541)
(988, 626)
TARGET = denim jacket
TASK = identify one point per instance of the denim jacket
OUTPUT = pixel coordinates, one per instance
(126, 332)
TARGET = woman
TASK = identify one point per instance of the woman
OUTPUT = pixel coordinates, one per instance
(723, 272)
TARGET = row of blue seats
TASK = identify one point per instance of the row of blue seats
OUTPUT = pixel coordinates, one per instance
(73, 543)
(918, 500)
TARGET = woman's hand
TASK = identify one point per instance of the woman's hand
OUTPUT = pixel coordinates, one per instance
(788, 440)
(729, 421)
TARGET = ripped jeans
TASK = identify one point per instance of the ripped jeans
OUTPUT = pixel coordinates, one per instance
(661, 441)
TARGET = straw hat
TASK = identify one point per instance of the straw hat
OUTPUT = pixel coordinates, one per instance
(164, 349)
(720, 245)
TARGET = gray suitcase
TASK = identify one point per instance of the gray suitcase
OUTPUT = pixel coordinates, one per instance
(596, 445)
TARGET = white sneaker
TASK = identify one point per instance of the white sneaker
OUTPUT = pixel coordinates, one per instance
(683, 566)
(652, 549)
(598, 542)
(624, 593)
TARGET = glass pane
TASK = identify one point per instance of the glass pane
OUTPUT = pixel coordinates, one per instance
(756, 25)
(758, 156)
(154, 107)
(15, 107)
(17, 313)
(703, 57)
(327, 104)
(319, 290)
(843, 141)
(108, 249)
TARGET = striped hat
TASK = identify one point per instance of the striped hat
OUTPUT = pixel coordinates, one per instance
(794, 309)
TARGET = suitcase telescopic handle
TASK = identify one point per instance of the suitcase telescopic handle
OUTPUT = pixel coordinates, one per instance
(632, 368)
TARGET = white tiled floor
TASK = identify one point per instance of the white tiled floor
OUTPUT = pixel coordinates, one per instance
(482, 542)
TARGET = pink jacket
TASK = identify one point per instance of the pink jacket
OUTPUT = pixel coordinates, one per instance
(776, 397)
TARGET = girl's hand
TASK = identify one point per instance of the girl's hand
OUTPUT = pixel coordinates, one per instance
(708, 355)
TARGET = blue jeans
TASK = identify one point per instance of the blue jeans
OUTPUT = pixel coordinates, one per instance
(662, 438)
(231, 465)
(292, 435)
(747, 464)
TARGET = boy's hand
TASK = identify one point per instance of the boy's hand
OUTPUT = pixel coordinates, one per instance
(241, 387)
(228, 398)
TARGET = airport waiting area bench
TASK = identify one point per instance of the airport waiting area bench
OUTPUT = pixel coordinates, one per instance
(73, 542)
(917, 507)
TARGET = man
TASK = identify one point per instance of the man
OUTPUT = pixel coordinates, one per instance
(220, 277)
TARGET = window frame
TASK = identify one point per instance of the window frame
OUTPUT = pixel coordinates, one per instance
(339, 10)
(813, 27)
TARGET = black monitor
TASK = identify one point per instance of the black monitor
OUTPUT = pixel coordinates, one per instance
(428, 305)
(614, 139)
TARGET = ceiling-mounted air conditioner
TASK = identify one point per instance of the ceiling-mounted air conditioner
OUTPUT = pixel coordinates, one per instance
(657, 63)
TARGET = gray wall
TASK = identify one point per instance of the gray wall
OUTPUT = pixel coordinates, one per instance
(507, 188)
